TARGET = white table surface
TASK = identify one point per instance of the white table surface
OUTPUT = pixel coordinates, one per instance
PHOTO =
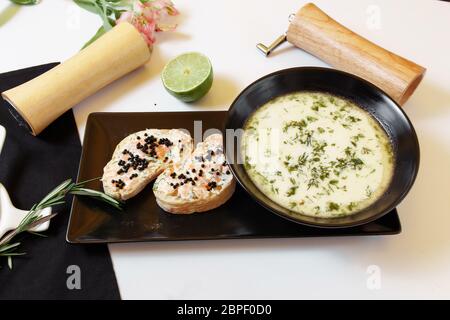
(414, 264)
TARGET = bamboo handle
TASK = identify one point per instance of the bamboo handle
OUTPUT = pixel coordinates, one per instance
(315, 32)
(43, 99)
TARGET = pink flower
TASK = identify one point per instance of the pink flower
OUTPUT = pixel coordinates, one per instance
(149, 17)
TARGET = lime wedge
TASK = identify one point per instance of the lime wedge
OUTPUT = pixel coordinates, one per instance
(188, 77)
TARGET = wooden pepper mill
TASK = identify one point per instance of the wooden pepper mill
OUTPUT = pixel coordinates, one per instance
(314, 31)
(40, 101)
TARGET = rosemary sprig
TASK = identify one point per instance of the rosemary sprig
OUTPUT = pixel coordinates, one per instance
(55, 197)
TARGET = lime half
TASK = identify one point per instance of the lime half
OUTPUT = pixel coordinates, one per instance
(188, 76)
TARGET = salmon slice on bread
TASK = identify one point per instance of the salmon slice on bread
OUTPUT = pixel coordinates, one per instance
(141, 157)
(200, 183)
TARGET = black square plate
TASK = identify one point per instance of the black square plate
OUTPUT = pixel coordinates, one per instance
(143, 220)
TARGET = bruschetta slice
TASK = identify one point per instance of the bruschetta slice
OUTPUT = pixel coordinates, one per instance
(141, 157)
(201, 183)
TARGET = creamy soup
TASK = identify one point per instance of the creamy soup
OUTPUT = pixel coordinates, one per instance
(317, 154)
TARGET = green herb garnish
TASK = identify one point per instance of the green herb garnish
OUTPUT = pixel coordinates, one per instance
(54, 198)
(333, 206)
(291, 191)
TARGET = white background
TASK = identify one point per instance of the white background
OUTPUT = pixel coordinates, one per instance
(414, 264)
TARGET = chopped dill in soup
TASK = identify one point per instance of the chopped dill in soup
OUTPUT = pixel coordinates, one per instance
(317, 154)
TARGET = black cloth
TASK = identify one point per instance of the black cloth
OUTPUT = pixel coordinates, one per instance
(30, 167)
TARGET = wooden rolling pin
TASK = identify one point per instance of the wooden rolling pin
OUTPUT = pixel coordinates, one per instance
(42, 100)
(315, 32)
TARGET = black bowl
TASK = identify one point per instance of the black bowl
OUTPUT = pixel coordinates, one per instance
(369, 97)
